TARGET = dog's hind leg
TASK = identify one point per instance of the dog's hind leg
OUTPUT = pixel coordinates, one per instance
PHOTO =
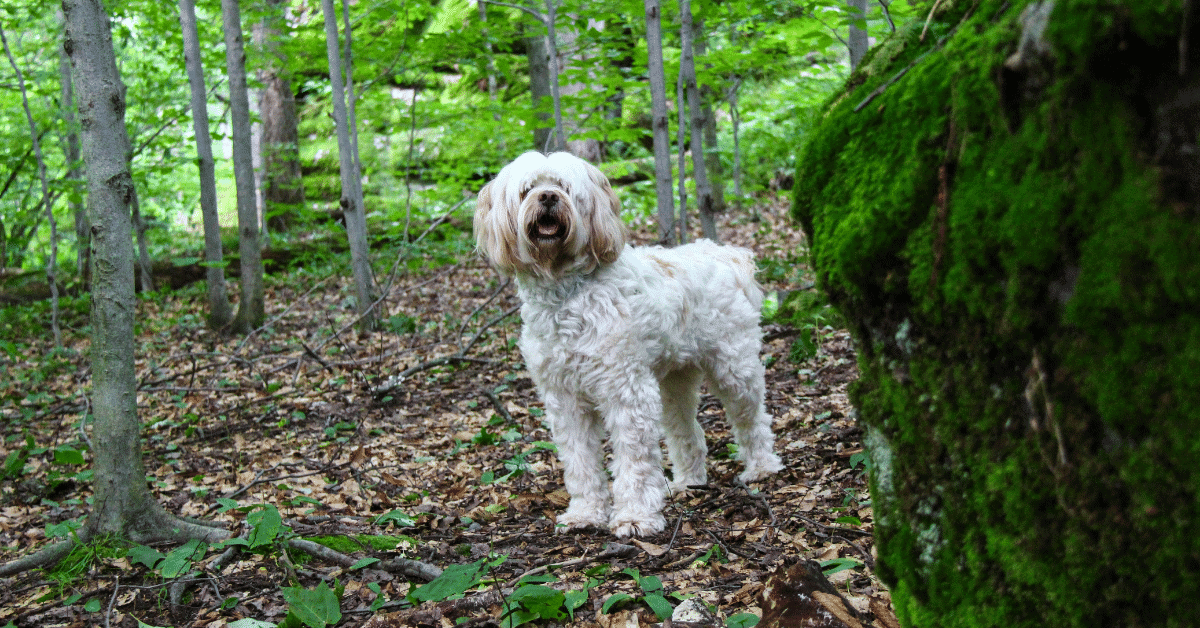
(739, 383)
(578, 434)
(685, 438)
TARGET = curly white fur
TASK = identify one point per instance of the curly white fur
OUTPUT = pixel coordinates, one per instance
(619, 339)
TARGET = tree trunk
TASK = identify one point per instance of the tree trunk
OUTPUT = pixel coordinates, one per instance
(539, 88)
(661, 124)
(712, 155)
(551, 16)
(570, 53)
(858, 34)
(145, 275)
(735, 122)
(681, 144)
(352, 196)
(283, 183)
(71, 157)
(47, 201)
(122, 501)
(1022, 288)
(687, 69)
(252, 306)
(220, 313)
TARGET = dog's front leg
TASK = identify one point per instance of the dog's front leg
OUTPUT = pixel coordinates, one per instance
(632, 409)
(579, 436)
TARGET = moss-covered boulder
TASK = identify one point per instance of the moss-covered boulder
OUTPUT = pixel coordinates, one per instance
(1006, 211)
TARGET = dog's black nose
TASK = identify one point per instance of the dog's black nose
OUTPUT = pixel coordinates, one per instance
(548, 199)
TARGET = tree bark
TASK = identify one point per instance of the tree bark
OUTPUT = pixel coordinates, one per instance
(858, 35)
(352, 196)
(283, 183)
(220, 313)
(660, 125)
(252, 306)
(122, 502)
(47, 204)
(687, 68)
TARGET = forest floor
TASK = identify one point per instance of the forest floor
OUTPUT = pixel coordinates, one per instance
(448, 465)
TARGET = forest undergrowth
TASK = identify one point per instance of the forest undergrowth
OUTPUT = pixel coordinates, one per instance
(424, 440)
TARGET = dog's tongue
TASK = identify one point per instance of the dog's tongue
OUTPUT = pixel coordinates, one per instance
(548, 229)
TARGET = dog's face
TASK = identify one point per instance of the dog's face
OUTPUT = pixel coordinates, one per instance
(549, 216)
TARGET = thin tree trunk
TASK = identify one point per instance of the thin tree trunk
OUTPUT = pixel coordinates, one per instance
(71, 157)
(122, 501)
(660, 124)
(858, 36)
(560, 136)
(572, 54)
(220, 313)
(490, 60)
(539, 88)
(736, 122)
(704, 196)
(145, 273)
(52, 265)
(351, 200)
(712, 156)
(681, 134)
(252, 306)
(351, 104)
(283, 183)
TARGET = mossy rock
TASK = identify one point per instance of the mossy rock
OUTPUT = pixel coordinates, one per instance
(1007, 214)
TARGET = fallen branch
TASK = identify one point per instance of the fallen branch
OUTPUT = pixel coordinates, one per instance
(404, 566)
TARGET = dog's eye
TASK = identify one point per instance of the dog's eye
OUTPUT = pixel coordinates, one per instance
(524, 192)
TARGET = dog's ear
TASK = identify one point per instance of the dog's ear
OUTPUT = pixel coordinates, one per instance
(608, 232)
(494, 238)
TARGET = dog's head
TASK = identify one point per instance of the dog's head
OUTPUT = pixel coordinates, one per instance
(549, 216)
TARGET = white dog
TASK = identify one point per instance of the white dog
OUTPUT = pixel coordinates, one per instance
(620, 339)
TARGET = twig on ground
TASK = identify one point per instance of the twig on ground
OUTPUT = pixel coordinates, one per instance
(834, 529)
(87, 407)
(477, 310)
(500, 409)
(112, 600)
(276, 318)
(766, 504)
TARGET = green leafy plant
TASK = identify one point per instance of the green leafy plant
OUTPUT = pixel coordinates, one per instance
(454, 581)
(315, 608)
(834, 565)
(742, 620)
(652, 595)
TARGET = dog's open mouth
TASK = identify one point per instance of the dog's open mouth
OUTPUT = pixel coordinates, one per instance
(547, 228)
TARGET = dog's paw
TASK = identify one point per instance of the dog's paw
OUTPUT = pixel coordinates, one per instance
(761, 468)
(578, 520)
(626, 525)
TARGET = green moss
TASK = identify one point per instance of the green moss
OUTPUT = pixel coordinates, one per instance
(1017, 251)
(360, 542)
